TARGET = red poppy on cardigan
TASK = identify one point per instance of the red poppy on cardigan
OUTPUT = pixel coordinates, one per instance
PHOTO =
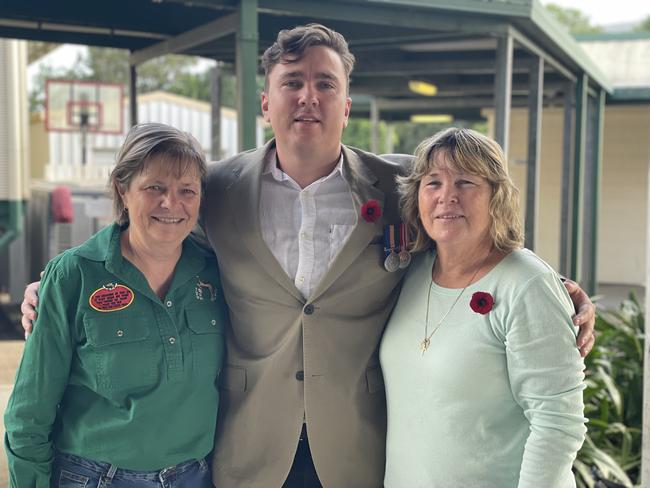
(371, 211)
(482, 302)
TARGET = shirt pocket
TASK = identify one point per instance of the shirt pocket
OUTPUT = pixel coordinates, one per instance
(339, 234)
(206, 325)
(123, 353)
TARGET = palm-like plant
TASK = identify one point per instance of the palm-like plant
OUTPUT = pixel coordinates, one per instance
(613, 400)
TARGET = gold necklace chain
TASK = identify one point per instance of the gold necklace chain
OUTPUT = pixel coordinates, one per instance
(426, 342)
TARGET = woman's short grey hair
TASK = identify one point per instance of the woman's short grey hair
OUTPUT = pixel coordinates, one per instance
(469, 152)
(158, 144)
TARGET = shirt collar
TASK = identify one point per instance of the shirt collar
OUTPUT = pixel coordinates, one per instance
(105, 246)
(274, 170)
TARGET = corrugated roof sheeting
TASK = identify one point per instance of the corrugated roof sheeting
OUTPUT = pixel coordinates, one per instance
(626, 62)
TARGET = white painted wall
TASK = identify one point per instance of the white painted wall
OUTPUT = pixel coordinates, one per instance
(14, 117)
(623, 221)
(193, 116)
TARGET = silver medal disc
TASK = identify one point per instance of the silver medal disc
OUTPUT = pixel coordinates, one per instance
(391, 263)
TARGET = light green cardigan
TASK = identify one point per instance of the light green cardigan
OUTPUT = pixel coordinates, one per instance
(496, 400)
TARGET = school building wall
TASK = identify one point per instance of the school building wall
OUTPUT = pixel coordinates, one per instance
(623, 219)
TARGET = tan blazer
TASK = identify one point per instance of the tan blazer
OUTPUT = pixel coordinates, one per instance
(289, 359)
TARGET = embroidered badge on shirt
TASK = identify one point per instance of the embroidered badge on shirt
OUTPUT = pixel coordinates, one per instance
(111, 297)
(200, 286)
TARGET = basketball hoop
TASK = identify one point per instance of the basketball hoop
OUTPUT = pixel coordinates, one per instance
(71, 106)
(83, 114)
(83, 106)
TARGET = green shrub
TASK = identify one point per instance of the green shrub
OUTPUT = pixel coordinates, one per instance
(614, 399)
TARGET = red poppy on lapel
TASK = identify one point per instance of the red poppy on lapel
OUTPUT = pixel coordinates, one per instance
(371, 211)
(482, 302)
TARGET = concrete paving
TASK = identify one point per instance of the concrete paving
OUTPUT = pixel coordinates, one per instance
(10, 354)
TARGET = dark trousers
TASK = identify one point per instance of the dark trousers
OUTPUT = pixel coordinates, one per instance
(302, 474)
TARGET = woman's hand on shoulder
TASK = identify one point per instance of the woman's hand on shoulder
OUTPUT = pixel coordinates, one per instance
(585, 317)
(28, 307)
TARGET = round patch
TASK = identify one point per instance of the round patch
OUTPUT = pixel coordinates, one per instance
(111, 297)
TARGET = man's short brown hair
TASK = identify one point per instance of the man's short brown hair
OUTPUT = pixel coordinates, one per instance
(291, 44)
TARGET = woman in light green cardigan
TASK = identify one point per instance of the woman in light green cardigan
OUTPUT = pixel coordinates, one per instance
(483, 378)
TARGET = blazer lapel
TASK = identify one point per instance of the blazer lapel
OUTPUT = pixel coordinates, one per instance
(362, 185)
(244, 200)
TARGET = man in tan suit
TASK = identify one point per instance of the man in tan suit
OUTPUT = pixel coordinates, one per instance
(302, 357)
(303, 273)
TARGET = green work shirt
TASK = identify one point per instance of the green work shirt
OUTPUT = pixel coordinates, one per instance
(111, 372)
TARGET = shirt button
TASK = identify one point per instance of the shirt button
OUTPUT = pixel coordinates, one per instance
(302, 279)
(300, 375)
(303, 235)
(309, 309)
(169, 303)
(172, 340)
(120, 333)
(213, 322)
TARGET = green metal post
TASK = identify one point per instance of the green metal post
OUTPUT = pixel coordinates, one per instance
(595, 191)
(247, 48)
(578, 175)
(503, 91)
(12, 215)
(133, 95)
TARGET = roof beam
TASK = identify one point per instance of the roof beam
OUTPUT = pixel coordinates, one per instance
(81, 29)
(413, 17)
(211, 31)
(533, 48)
(432, 67)
(444, 90)
(418, 105)
(433, 104)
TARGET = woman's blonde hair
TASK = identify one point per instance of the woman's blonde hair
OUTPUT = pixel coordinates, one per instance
(465, 151)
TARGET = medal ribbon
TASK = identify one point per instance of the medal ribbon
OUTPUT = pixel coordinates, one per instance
(390, 232)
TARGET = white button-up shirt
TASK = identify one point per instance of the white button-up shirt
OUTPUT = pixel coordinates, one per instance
(305, 228)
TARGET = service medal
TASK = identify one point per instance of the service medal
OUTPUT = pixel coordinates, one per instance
(404, 258)
(392, 262)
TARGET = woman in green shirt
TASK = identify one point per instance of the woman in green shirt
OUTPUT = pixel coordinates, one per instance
(118, 386)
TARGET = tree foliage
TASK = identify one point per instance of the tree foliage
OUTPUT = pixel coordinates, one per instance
(406, 135)
(576, 21)
(171, 73)
(644, 25)
(38, 49)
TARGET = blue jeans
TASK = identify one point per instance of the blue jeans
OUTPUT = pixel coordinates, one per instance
(71, 471)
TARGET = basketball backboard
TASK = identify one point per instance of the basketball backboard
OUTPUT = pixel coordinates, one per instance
(70, 105)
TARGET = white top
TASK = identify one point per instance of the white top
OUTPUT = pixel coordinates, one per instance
(305, 228)
(496, 400)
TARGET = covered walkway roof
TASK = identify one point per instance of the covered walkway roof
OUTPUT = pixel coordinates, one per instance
(452, 44)
(478, 53)
(625, 60)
